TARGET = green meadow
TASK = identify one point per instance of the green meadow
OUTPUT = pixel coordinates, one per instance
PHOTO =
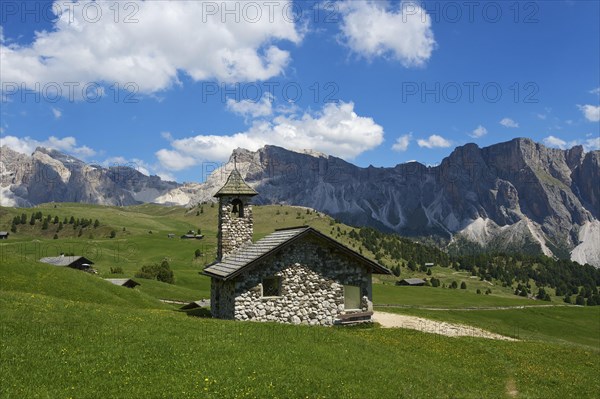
(69, 334)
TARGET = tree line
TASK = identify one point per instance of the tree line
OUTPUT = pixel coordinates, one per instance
(38, 218)
(566, 277)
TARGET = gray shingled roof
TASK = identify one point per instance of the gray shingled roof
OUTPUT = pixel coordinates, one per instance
(235, 185)
(63, 260)
(247, 255)
(413, 281)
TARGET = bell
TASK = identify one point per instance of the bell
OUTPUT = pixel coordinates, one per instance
(235, 208)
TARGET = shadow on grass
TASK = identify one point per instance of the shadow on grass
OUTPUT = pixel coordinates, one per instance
(198, 312)
(358, 326)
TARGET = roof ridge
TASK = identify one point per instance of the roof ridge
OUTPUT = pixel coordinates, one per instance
(291, 228)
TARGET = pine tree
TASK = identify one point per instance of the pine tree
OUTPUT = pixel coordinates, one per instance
(32, 220)
(45, 225)
(96, 223)
(23, 218)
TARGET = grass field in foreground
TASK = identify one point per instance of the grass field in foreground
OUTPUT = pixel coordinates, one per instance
(60, 348)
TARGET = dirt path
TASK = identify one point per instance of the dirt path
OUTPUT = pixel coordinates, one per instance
(393, 320)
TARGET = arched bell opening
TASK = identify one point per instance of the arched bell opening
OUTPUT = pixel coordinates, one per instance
(237, 208)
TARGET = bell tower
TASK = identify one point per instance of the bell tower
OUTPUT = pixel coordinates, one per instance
(236, 224)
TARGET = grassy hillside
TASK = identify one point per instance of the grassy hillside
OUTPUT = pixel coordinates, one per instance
(141, 239)
(65, 283)
(66, 333)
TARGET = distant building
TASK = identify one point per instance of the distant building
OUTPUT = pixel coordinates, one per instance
(74, 262)
(429, 264)
(192, 237)
(295, 275)
(413, 282)
(171, 235)
(4, 235)
(123, 282)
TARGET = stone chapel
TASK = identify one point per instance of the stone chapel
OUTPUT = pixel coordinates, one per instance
(294, 275)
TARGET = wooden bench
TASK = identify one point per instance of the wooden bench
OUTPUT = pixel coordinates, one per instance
(350, 318)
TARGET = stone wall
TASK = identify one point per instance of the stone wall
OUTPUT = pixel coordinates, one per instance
(234, 231)
(222, 299)
(312, 275)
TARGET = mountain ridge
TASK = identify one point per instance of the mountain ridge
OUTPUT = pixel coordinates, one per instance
(505, 197)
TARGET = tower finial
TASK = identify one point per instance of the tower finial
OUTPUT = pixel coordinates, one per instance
(234, 161)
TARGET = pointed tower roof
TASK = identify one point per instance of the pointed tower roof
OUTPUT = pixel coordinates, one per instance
(236, 185)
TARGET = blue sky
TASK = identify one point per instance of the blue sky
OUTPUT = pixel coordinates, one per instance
(174, 84)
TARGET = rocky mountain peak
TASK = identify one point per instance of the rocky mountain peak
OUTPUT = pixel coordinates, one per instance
(517, 195)
(508, 196)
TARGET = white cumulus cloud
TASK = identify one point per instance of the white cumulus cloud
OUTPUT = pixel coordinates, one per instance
(589, 144)
(434, 141)
(57, 113)
(592, 144)
(335, 130)
(507, 122)
(479, 131)
(552, 141)
(135, 163)
(163, 39)
(402, 143)
(591, 112)
(250, 108)
(374, 29)
(27, 145)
